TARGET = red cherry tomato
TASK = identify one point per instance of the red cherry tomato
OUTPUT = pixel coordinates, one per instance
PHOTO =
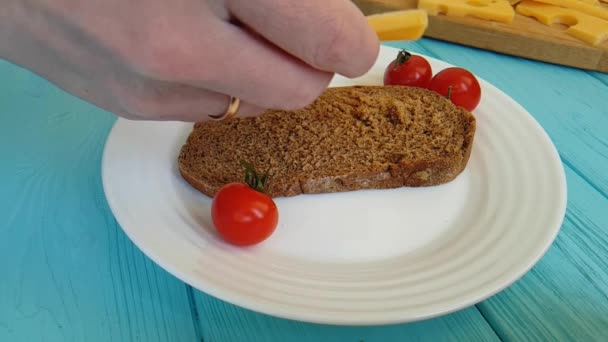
(408, 70)
(459, 85)
(243, 216)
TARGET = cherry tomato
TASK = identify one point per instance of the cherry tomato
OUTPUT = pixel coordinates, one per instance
(459, 85)
(408, 70)
(242, 215)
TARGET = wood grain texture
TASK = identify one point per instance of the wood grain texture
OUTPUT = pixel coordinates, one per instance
(222, 322)
(524, 37)
(600, 76)
(68, 273)
(565, 297)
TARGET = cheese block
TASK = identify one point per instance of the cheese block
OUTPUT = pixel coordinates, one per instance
(399, 25)
(496, 10)
(594, 10)
(585, 27)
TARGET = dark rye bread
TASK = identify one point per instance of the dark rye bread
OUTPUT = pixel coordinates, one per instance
(350, 138)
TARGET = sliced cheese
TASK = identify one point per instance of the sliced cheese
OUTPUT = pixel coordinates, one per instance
(585, 27)
(399, 25)
(495, 10)
(591, 2)
(479, 2)
(594, 10)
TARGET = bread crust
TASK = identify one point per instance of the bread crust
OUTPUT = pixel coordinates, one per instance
(402, 173)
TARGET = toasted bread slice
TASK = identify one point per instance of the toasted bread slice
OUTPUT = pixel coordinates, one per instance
(350, 138)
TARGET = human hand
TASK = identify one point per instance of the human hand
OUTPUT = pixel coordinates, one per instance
(183, 59)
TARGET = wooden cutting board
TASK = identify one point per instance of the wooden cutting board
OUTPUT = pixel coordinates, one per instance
(524, 37)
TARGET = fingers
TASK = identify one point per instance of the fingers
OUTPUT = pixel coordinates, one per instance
(331, 35)
(263, 74)
(226, 59)
(160, 101)
(285, 63)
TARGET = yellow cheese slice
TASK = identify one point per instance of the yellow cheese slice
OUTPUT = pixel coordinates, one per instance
(479, 2)
(590, 2)
(596, 11)
(399, 25)
(495, 10)
(585, 27)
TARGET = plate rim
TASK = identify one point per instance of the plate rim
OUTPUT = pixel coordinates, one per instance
(243, 301)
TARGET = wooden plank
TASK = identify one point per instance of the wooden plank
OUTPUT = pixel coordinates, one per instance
(524, 37)
(565, 297)
(569, 103)
(68, 271)
(600, 76)
(223, 322)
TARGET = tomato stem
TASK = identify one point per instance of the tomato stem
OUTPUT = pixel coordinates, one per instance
(253, 179)
(402, 57)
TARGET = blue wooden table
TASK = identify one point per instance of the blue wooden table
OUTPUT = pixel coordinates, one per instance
(69, 273)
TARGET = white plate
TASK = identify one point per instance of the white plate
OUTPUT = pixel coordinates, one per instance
(366, 257)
